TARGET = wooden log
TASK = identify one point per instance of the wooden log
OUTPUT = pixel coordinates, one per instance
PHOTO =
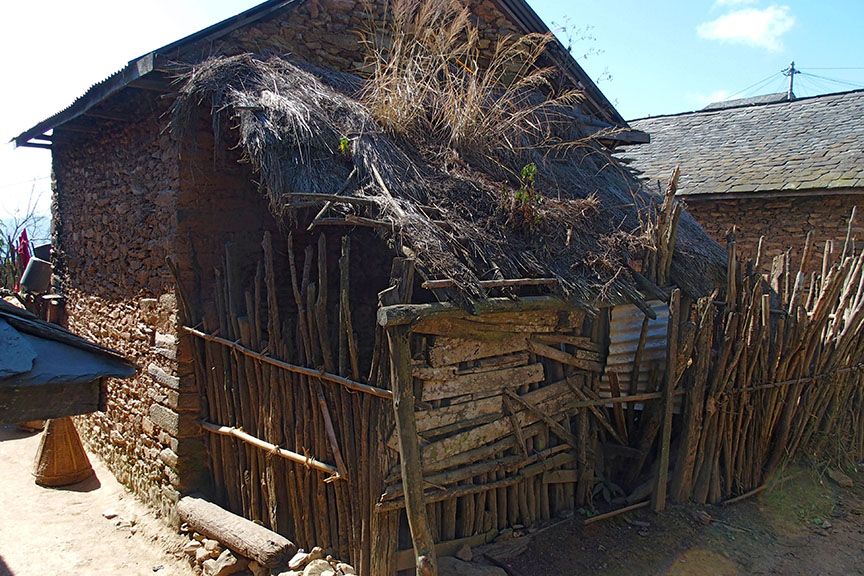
(399, 344)
(618, 512)
(658, 498)
(240, 535)
(694, 407)
(448, 547)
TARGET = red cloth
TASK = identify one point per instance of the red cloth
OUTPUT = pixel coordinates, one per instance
(23, 251)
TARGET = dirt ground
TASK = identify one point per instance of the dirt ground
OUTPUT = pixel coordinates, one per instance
(46, 531)
(806, 525)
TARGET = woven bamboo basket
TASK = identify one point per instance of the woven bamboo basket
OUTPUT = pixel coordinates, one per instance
(61, 459)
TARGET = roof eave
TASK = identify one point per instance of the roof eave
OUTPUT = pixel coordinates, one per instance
(519, 10)
(770, 194)
(96, 94)
(142, 66)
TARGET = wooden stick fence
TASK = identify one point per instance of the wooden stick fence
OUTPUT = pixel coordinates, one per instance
(506, 403)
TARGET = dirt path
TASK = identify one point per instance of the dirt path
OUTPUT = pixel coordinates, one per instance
(45, 531)
(807, 525)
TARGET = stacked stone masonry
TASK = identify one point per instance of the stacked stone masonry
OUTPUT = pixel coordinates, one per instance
(115, 223)
(128, 194)
(784, 222)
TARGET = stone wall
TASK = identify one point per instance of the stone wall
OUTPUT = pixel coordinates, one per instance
(784, 222)
(127, 195)
(114, 196)
(328, 33)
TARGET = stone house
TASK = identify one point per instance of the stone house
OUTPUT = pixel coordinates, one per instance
(772, 167)
(163, 193)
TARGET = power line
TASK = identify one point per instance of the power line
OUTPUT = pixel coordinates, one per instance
(760, 82)
(836, 81)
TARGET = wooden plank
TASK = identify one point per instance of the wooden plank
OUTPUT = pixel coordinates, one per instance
(45, 401)
(483, 382)
(580, 342)
(438, 495)
(425, 372)
(550, 399)
(556, 428)
(437, 417)
(447, 351)
(402, 314)
(479, 326)
(563, 357)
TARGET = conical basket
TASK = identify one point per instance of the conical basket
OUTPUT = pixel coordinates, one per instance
(61, 459)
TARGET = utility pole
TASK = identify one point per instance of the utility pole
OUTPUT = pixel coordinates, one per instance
(791, 72)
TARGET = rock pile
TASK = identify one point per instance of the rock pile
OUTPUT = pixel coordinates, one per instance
(214, 559)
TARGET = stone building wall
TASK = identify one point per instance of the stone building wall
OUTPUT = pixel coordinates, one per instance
(115, 222)
(784, 222)
(328, 33)
(127, 195)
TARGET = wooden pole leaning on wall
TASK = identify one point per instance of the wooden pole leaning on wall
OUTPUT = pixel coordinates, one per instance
(399, 343)
(658, 500)
(345, 382)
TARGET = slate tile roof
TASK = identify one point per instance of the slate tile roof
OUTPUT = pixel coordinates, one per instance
(808, 144)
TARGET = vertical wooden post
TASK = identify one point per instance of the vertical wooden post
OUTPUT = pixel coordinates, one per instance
(658, 499)
(399, 341)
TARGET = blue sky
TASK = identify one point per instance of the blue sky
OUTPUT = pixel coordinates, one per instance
(663, 56)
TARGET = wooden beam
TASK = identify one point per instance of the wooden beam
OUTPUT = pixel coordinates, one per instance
(34, 145)
(360, 201)
(402, 383)
(486, 284)
(401, 314)
(45, 401)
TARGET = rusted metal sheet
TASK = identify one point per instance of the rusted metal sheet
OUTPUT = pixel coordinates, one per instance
(624, 333)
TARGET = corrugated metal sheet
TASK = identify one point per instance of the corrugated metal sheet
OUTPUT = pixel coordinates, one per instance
(624, 332)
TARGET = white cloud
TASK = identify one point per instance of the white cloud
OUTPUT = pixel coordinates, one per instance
(755, 27)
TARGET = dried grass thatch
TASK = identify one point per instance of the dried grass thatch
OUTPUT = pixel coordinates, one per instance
(304, 130)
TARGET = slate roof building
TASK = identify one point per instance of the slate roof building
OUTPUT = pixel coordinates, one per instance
(772, 167)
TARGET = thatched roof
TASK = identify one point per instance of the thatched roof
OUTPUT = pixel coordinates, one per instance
(454, 213)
